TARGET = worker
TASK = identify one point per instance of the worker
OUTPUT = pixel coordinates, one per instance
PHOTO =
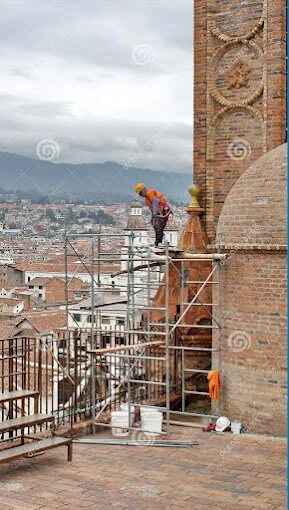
(159, 208)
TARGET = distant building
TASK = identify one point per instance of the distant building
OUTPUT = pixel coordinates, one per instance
(171, 233)
(6, 259)
(137, 226)
(11, 306)
(52, 290)
(11, 275)
(109, 316)
(12, 231)
(36, 323)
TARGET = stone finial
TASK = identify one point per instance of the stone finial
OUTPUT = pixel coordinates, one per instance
(194, 191)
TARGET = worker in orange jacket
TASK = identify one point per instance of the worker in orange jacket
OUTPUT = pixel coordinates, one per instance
(159, 208)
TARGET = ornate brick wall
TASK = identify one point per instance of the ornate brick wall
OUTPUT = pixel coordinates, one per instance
(239, 92)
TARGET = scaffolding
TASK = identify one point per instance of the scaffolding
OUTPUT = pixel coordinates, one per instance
(142, 362)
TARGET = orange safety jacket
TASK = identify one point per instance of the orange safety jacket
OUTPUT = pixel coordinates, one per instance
(162, 201)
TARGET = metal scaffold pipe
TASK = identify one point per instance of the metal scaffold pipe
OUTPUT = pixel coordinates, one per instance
(139, 357)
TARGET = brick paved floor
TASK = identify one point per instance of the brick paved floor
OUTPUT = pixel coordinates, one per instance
(220, 473)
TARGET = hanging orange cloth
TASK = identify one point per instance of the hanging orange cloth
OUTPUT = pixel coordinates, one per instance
(214, 385)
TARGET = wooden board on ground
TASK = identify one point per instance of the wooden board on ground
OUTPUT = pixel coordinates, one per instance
(34, 447)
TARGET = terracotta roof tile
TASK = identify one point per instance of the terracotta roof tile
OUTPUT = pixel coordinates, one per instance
(60, 268)
(11, 301)
(40, 280)
(47, 320)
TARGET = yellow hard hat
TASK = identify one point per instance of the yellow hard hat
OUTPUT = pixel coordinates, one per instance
(139, 187)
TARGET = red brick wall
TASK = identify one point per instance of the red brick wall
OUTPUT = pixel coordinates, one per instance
(55, 290)
(254, 341)
(200, 69)
(260, 124)
(276, 65)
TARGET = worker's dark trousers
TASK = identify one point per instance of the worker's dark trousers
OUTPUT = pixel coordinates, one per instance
(159, 224)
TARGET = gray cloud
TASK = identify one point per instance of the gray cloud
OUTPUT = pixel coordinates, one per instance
(47, 109)
(68, 74)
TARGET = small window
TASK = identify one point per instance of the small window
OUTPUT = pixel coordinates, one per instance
(120, 321)
(28, 279)
(105, 320)
(40, 287)
(76, 316)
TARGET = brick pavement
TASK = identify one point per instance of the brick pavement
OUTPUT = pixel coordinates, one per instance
(248, 473)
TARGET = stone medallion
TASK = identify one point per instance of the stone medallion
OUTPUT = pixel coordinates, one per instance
(236, 74)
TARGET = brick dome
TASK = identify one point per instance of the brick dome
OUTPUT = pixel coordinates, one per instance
(255, 210)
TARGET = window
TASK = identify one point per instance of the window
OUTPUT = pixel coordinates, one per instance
(76, 316)
(28, 279)
(120, 321)
(40, 287)
(105, 320)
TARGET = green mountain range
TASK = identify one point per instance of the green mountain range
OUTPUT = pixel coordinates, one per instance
(94, 181)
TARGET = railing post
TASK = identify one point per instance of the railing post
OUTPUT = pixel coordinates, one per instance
(11, 380)
(74, 401)
(39, 378)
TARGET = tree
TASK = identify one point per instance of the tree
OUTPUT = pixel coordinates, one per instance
(43, 199)
(103, 218)
(50, 215)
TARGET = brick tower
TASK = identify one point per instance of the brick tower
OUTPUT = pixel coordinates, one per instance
(241, 167)
(239, 92)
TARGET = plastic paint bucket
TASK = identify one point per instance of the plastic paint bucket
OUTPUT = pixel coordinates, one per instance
(152, 422)
(146, 410)
(236, 427)
(119, 423)
(125, 407)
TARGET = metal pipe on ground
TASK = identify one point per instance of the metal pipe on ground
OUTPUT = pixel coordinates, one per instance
(132, 442)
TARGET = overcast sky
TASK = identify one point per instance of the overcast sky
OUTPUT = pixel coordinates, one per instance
(107, 80)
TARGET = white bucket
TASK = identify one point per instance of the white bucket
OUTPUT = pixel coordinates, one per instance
(148, 410)
(236, 427)
(119, 423)
(125, 407)
(152, 422)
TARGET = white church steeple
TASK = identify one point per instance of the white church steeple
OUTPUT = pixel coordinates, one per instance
(137, 225)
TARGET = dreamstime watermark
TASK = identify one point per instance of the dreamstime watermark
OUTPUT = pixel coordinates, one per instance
(254, 229)
(148, 145)
(239, 149)
(47, 150)
(245, 52)
(239, 341)
(139, 437)
(248, 239)
(51, 50)
(238, 437)
(143, 55)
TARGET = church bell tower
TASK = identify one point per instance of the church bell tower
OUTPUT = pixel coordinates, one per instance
(239, 92)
